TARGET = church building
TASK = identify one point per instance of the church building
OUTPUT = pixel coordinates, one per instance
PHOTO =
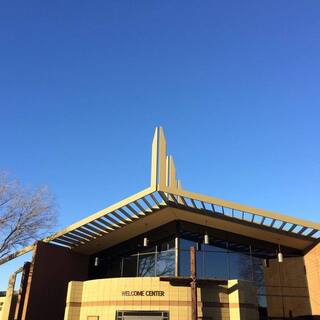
(166, 253)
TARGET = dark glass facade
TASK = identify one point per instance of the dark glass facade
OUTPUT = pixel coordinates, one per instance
(220, 262)
(224, 258)
(152, 261)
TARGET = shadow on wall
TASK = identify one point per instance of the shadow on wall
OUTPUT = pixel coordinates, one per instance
(297, 318)
(287, 290)
(307, 318)
(211, 296)
(316, 317)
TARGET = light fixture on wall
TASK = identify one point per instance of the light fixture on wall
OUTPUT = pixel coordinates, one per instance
(206, 239)
(96, 261)
(266, 263)
(280, 255)
(145, 241)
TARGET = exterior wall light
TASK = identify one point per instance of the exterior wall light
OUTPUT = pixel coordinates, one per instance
(280, 255)
(96, 261)
(206, 239)
(145, 241)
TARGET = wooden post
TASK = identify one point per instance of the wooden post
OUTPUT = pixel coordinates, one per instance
(193, 284)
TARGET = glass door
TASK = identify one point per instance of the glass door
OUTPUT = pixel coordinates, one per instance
(142, 315)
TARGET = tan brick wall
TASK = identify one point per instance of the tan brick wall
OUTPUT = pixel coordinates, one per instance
(286, 288)
(243, 300)
(10, 299)
(312, 264)
(2, 300)
(104, 297)
(247, 299)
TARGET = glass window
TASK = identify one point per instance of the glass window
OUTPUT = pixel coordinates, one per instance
(149, 249)
(147, 264)
(166, 245)
(186, 244)
(240, 266)
(258, 277)
(130, 266)
(113, 268)
(184, 256)
(200, 264)
(165, 265)
(184, 263)
(216, 263)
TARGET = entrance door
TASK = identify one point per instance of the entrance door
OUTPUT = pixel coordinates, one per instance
(142, 318)
(142, 315)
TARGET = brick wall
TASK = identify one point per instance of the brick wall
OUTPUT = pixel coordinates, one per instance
(104, 297)
(312, 264)
(287, 288)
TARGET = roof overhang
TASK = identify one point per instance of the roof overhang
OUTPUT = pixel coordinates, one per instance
(166, 201)
(172, 212)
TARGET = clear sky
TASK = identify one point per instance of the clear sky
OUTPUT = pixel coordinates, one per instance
(235, 84)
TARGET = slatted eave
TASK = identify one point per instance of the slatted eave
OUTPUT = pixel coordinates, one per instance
(245, 216)
(110, 221)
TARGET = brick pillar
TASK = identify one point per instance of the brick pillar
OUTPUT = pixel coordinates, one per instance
(9, 302)
(243, 302)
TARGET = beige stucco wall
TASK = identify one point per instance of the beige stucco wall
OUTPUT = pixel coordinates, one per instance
(242, 298)
(9, 299)
(2, 300)
(104, 297)
(286, 288)
(312, 264)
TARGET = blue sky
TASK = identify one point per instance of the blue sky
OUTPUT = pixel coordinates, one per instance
(235, 84)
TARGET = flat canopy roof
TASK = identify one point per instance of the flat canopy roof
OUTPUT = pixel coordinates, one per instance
(165, 201)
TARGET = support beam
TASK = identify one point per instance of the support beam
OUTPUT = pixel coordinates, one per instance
(193, 284)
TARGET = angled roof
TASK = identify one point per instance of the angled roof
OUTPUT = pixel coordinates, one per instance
(164, 201)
